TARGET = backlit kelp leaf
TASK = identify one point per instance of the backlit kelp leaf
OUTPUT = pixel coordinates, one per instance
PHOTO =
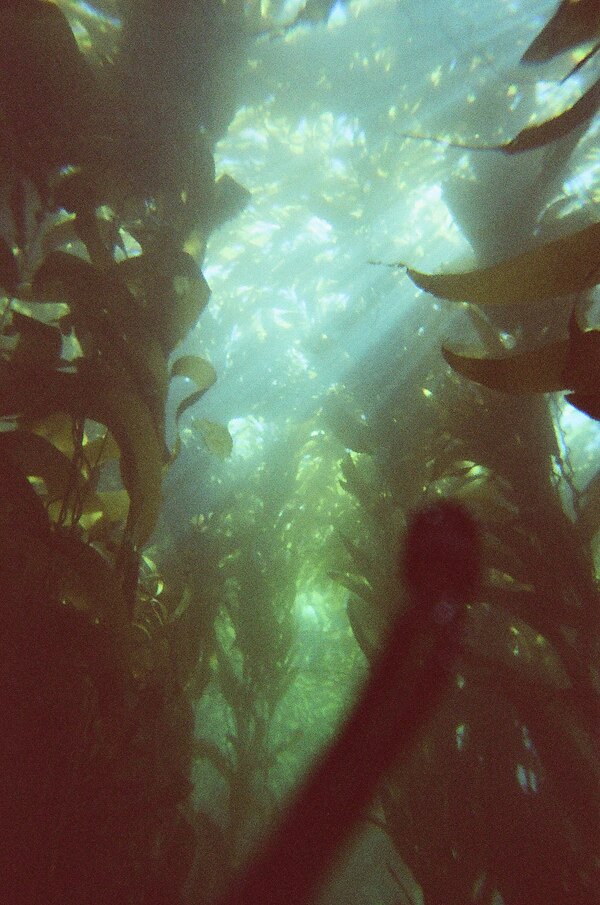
(100, 450)
(103, 510)
(197, 369)
(487, 497)
(201, 372)
(217, 438)
(573, 23)
(536, 371)
(75, 191)
(90, 394)
(566, 266)
(552, 129)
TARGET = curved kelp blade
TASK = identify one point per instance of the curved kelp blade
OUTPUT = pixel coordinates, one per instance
(173, 290)
(104, 310)
(201, 372)
(572, 24)
(536, 371)
(552, 129)
(37, 394)
(216, 437)
(195, 368)
(356, 584)
(566, 266)
(130, 422)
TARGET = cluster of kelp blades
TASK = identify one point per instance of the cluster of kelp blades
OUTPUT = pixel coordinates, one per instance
(101, 206)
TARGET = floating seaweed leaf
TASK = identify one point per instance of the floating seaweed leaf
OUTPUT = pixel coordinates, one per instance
(217, 438)
(566, 266)
(536, 371)
(572, 364)
(201, 372)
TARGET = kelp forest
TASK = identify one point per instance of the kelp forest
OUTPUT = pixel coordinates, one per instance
(299, 488)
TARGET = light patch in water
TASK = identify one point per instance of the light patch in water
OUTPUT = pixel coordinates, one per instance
(248, 436)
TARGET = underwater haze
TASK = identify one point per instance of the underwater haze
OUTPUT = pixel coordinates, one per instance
(300, 424)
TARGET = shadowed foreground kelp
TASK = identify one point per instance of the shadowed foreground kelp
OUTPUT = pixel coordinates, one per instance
(441, 571)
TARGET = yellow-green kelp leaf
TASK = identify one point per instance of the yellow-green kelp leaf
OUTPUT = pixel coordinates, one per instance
(536, 371)
(197, 369)
(217, 438)
(102, 398)
(566, 266)
(201, 372)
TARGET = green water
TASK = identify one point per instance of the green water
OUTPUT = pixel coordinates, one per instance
(187, 654)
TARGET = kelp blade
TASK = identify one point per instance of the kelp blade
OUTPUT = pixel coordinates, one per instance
(567, 266)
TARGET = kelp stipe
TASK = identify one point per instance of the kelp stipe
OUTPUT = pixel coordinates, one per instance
(441, 571)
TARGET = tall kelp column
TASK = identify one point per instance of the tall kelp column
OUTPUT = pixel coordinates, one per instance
(106, 172)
